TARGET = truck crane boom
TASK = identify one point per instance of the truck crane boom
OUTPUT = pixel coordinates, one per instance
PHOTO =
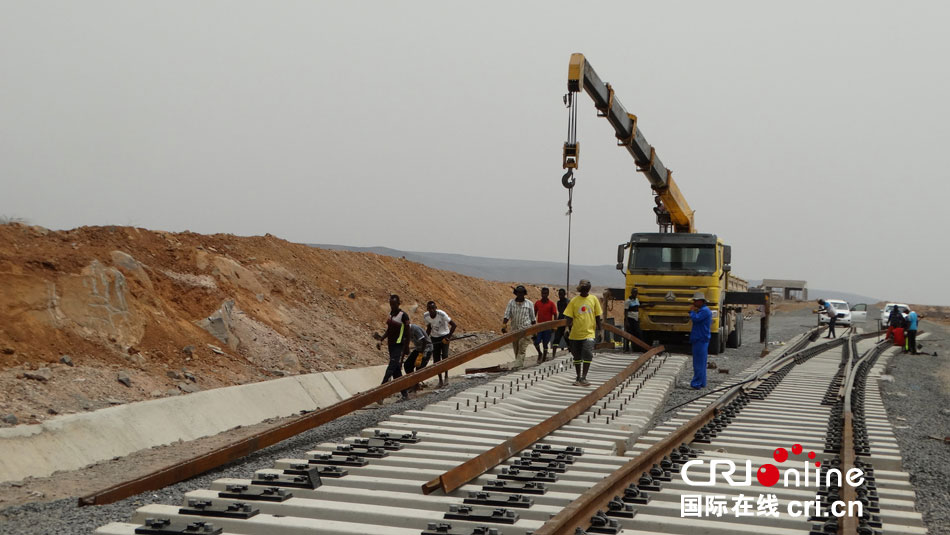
(582, 76)
(665, 268)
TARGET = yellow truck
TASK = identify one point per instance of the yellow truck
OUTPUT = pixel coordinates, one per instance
(669, 266)
(667, 269)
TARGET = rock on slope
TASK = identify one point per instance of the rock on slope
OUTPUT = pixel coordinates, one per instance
(174, 312)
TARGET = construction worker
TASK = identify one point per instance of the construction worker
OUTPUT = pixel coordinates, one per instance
(559, 334)
(631, 319)
(544, 310)
(911, 333)
(440, 327)
(397, 334)
(421, 352)
(829, 309)
(699, 337)
(583, 321)
(895, 321)
(520, 312)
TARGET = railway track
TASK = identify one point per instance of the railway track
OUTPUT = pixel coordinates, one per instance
(530, 453)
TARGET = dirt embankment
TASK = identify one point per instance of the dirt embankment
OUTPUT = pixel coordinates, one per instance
(174, 312)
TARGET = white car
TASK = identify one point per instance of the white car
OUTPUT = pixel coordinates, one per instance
(886, 312)
(846, 314)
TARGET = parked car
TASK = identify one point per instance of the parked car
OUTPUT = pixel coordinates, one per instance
(886, 312)
(859, 313)
(846, 314)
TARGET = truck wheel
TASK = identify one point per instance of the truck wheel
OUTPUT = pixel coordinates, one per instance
(715, 344)
(739, 329)
(735, 337)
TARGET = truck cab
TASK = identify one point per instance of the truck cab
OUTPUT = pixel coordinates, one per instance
(667, 269)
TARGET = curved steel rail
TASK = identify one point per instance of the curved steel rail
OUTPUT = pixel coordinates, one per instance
(578, 513)
(848, 525)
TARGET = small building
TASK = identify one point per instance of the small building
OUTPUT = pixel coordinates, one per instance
(788, 289)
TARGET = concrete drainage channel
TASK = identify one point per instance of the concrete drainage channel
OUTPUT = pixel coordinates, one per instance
(372, 483)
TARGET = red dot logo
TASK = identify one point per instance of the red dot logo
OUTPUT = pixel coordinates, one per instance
(780, 455)
(767, 475)
(797, 449)
(817, 464)
(811, 455)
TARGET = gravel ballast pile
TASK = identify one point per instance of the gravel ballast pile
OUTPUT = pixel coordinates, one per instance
(918, 407)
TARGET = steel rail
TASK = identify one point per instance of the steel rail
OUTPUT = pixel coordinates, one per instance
(576, 515)
(194, 466)
(471, 469)
(847, 524)
(624, 334)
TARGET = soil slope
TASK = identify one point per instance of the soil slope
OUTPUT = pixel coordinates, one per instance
(174, 312)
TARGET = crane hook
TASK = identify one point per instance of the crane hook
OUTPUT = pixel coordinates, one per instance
(568, 179)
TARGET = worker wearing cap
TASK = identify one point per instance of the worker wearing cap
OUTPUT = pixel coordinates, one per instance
(520, 312)
(699, 336)
(583, 320)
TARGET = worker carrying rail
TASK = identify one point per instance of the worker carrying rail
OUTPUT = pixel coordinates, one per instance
(666, 267)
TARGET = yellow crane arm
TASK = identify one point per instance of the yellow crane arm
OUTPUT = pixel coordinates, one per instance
(580, 75)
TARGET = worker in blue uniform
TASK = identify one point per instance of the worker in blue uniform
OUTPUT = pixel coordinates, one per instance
(699, 336)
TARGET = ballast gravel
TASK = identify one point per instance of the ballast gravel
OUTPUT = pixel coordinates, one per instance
(918, 407)
(782, 328)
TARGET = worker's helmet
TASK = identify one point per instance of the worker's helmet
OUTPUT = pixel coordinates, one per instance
(699, 296)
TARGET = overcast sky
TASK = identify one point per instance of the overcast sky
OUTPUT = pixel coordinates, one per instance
(812, 136)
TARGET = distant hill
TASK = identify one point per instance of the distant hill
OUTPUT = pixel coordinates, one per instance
(497, 269)
(539, 272)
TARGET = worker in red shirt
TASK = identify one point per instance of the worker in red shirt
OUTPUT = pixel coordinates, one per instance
(544, 310)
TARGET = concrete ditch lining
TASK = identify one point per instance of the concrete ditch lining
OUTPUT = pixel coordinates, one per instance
(72, 441)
